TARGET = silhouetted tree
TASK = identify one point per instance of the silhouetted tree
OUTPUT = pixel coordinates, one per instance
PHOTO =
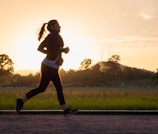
(6, 65)
(85, 64)
(114, 58)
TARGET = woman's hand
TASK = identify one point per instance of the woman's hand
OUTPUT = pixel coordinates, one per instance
(66, 50)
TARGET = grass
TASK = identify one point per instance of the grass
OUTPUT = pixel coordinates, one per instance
(84, 98)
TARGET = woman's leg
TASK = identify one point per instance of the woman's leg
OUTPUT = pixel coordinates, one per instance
(57, 83)
(42, 86)
(45, 79)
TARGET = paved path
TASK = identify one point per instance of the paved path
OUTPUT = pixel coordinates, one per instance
(78, 124)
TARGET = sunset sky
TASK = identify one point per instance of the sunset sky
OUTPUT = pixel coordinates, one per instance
(93, 29)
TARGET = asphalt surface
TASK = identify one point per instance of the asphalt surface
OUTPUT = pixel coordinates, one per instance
(85, 112)
(83, 123)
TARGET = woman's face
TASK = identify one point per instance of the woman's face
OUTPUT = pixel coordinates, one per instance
(56, 27)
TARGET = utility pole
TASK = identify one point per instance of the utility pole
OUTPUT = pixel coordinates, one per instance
(102, 53)
(109, 51)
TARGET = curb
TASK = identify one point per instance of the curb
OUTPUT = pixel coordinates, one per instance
(82, 112)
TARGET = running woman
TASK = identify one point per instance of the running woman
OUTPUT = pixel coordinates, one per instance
(53, 47)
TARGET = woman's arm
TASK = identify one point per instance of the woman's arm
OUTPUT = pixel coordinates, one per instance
(42, 48)
(65, 50)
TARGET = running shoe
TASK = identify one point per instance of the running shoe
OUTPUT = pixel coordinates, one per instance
(69, 112)
(19, 105)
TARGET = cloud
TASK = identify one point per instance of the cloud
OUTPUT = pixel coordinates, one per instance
(146, 16)
(148, 9)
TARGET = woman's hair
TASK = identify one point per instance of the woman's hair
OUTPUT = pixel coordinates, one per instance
(42, 29)
(41, 32)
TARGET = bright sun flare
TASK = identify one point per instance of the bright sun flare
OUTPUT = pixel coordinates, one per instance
(27, 56)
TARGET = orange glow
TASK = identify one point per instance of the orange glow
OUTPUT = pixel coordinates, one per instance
(122, 27)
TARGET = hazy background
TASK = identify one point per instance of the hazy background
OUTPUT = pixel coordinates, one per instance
(93, 29)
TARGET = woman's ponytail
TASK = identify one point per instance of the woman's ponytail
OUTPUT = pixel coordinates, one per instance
(41, 32)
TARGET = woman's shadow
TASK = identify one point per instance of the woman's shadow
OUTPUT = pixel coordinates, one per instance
(75, 125)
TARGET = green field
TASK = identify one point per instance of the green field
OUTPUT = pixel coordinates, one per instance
(84, 98)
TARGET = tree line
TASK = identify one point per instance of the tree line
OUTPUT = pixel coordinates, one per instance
(108, 73)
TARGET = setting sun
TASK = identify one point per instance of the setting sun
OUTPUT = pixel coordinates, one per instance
(91, 29)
